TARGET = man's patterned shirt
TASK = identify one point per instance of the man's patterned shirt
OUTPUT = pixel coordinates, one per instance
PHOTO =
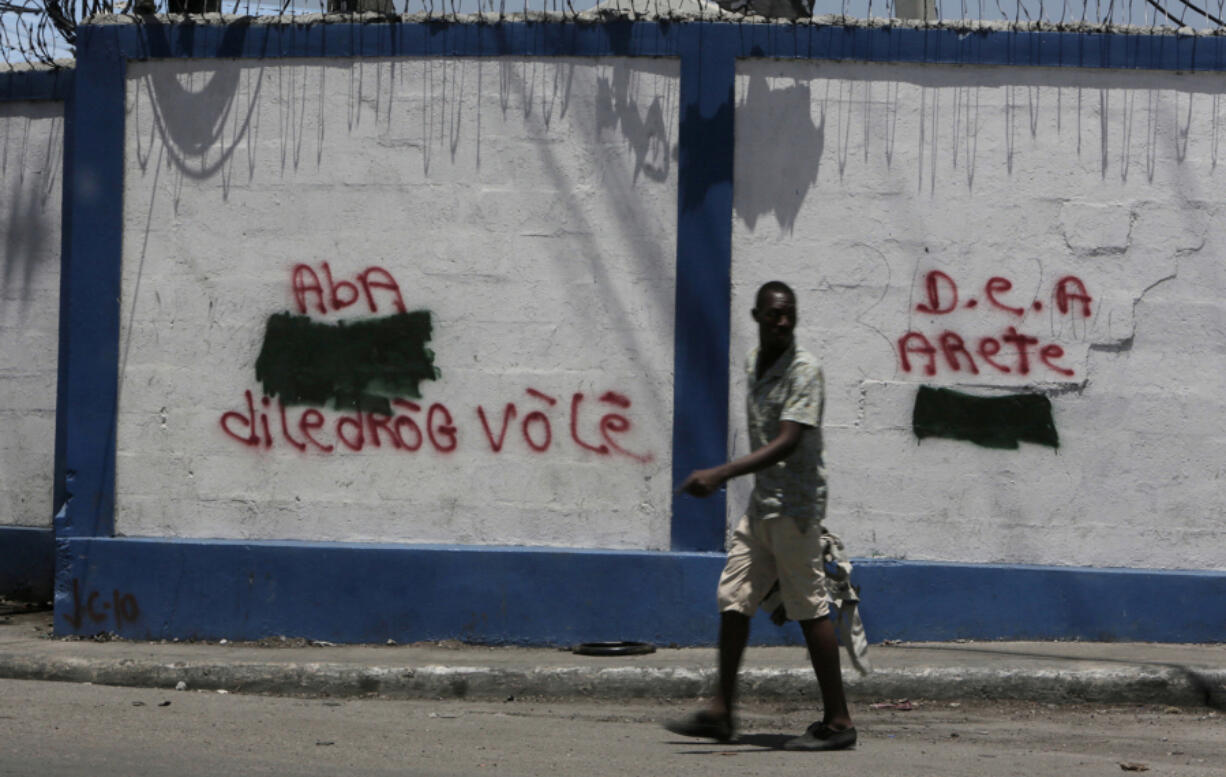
(791, 389)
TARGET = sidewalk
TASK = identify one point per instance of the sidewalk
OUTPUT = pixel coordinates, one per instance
(1056, 672)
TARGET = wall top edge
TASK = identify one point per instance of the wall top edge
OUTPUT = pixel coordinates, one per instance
(601, 16)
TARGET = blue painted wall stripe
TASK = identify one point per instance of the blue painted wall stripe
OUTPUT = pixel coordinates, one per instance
(946, 46)
(35, 85)
(944, 601)
(243, 40)
(371, 593)
(624, 38)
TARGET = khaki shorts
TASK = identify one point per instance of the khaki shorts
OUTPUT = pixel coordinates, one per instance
(764, 551)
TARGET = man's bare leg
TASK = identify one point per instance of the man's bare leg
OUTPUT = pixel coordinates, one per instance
(824, 654)
(715, 722)
(733, 636)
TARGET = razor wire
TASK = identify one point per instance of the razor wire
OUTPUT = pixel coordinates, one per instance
(43, 32)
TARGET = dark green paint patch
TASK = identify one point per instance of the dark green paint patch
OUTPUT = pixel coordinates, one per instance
(357, 366)
(993, 422)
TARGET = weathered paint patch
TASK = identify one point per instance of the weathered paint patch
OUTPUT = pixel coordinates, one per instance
(358, 366)
(993, 422)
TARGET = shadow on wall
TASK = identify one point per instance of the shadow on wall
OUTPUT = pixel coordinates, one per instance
(192, 119)
(783, 173)
(192, 122)
(647, 134)
(618, 101)
(29, 172)
(1119, 122)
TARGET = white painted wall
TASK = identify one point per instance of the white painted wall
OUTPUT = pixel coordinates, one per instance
(529, 205)
(31, 166)
(853, 181)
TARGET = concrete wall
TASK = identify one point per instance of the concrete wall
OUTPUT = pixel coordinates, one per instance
(31, 192)
(31, 165)
(523, 209)
(1079, 209)
(574, 217)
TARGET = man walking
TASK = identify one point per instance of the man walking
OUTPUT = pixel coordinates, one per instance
(780, 536)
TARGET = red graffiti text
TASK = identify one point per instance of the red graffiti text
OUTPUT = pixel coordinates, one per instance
(941, 296)
(266, 423)
(536, 427)
(408, 430)
(330, 295)
(1011, 353)
(1006, 352)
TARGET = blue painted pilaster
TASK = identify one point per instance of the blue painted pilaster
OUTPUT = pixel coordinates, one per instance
(89, 299)
(704, 269)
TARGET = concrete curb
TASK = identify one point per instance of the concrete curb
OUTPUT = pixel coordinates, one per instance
(1176, 686)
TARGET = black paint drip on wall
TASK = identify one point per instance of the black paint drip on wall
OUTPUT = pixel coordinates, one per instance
(993, 422)
(358, 366)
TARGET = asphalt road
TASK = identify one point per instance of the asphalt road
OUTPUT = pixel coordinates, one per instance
(51, 729)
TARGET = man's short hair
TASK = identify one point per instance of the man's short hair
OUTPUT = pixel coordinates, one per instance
(773, 286)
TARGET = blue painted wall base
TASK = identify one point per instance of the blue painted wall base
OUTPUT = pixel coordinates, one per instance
(27, 563)
(158, 589)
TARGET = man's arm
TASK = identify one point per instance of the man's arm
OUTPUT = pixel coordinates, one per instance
(704, 482)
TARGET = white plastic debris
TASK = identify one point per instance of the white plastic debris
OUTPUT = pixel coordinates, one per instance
(180, 686)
